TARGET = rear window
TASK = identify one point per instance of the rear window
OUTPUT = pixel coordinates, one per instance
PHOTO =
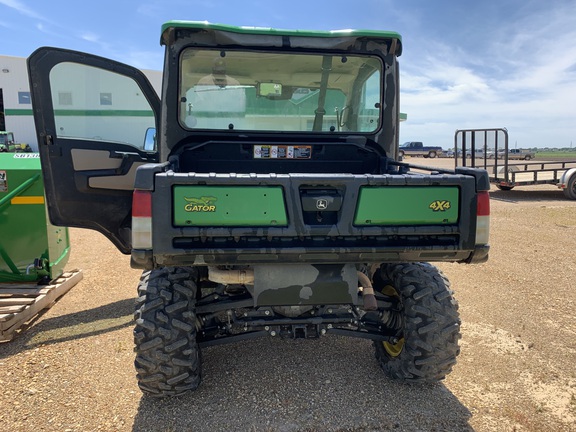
(270, 91)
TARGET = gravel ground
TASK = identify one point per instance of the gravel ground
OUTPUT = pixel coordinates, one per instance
(73, 370)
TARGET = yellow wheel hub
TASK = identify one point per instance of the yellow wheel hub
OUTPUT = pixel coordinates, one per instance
(393, 350)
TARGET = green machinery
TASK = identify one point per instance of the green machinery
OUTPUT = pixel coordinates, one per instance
(31, 248)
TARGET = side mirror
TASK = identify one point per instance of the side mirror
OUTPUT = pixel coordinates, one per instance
(150, 139)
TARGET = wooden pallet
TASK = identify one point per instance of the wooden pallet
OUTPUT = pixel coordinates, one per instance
(21, 304)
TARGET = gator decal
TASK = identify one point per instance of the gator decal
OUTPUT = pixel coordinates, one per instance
(201, 205)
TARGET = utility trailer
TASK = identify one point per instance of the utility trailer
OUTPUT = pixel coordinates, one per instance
(505, 174)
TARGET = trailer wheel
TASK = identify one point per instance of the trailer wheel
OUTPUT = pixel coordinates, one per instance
(570, 191)
(428, 345)
(167, 355)
(504, 188)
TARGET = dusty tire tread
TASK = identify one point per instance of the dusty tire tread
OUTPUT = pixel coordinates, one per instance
(167, 355)
(431, 323)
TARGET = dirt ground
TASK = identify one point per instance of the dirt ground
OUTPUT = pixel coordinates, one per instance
(73, 370)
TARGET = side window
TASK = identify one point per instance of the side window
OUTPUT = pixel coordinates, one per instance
(24, 98)
(65, 98)
(95, 104)
(370, 105)
(105, 98)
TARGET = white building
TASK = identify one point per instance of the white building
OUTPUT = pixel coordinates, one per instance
(15, 102)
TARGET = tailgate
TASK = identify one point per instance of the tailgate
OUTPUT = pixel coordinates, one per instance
(291, 218)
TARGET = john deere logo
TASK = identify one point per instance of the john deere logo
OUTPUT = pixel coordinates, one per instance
(440, 206)
(202, 204)
(321, 204)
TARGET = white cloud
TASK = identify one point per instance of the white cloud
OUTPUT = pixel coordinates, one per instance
(521, 77)
(90, 37)
(22, 8)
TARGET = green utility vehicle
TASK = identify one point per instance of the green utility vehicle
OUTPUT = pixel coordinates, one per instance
(8, 144)
(262, 195)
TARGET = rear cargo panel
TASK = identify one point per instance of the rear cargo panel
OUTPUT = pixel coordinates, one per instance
(229, 206)
(407, 206)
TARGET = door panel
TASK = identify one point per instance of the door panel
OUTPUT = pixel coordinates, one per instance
(89, 160)
(91, 117)
(116, 182)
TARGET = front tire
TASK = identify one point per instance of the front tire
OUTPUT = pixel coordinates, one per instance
(168, 359)
(428, 345)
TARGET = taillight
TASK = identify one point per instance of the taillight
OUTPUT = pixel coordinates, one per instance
(483, 218)
(142, 219)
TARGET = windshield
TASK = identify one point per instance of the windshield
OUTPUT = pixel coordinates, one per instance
(280, 91)
(6, 138)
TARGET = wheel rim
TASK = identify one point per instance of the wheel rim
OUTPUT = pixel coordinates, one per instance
(392, 349)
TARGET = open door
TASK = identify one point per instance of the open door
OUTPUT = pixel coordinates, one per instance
(92, 115)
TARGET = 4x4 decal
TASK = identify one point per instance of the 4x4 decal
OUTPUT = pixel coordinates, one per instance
(440, 206)
(202, 204)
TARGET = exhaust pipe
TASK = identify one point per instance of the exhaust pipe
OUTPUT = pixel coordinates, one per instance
(228, 277)
(367, 289)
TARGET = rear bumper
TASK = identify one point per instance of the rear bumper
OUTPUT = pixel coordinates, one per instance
(146, 259)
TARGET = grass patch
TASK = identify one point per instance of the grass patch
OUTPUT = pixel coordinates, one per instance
(568, 155)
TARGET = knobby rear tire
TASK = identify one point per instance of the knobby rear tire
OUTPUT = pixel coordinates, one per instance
(168, 361)
(428, 348)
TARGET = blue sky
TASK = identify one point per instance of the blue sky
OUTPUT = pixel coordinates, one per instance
(466, 64)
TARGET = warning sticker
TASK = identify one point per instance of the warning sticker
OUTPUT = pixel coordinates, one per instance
(3, 182)
(282, 152)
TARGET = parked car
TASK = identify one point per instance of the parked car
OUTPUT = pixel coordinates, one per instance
(448, 153)
(480, 154)
(416, 148)
(517, 154)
